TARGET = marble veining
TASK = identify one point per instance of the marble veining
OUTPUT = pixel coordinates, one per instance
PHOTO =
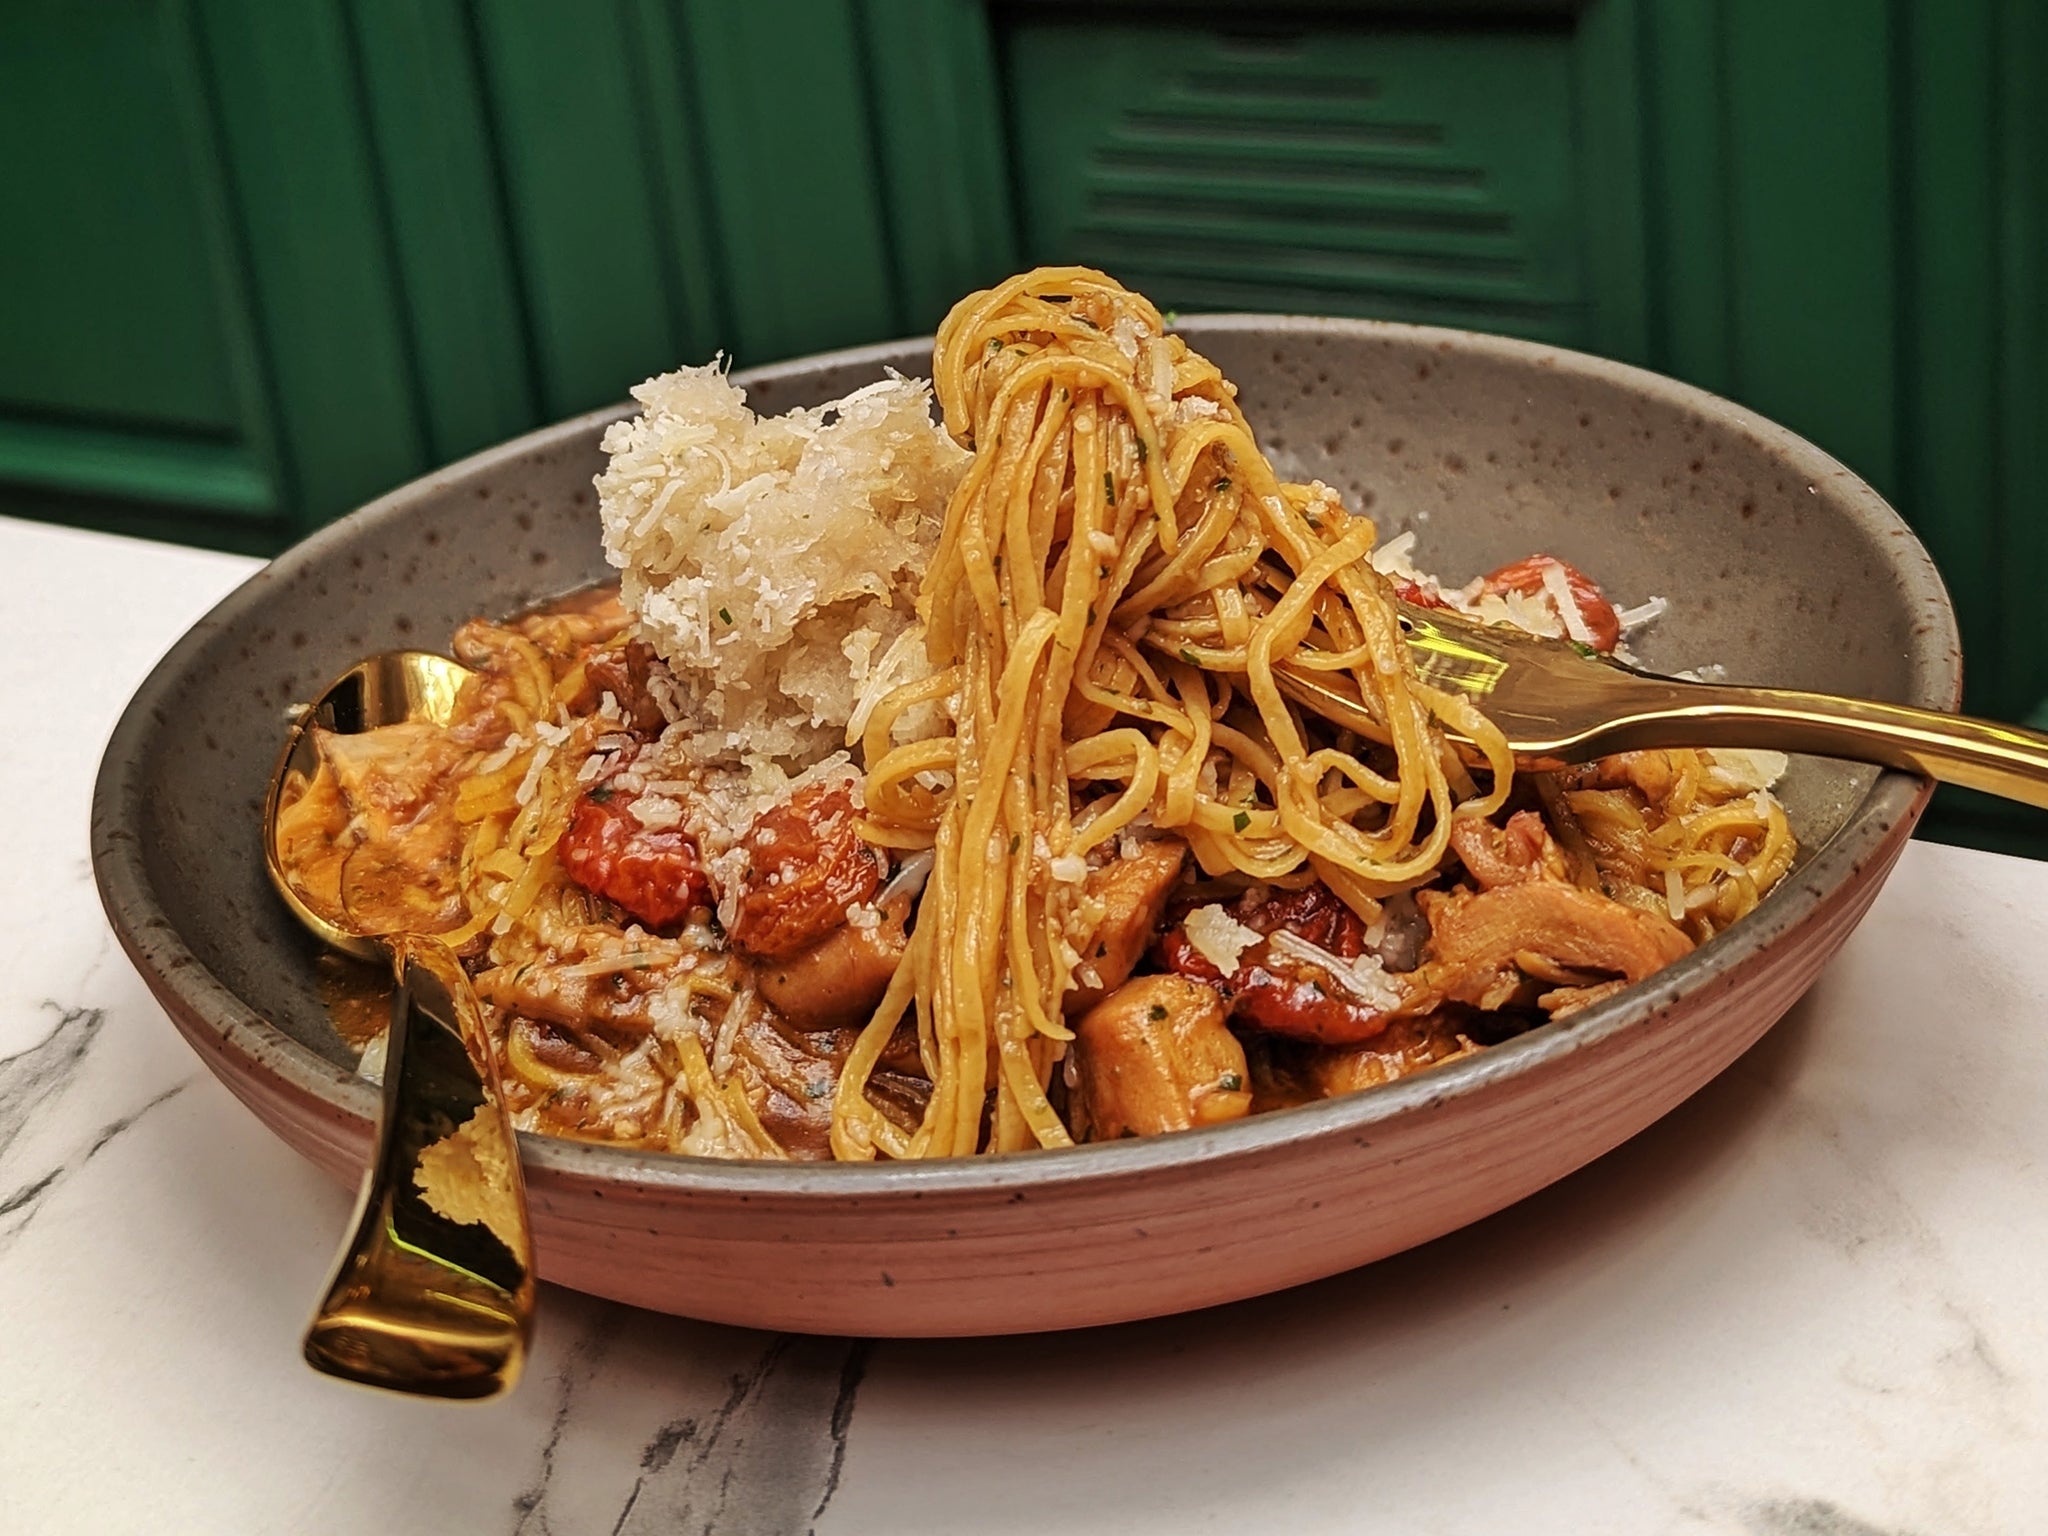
(36, 1079)
(739, 1432)
(1810, 1517)
(1804, 1304)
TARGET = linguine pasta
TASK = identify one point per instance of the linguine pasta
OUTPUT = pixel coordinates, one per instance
(1084, 871)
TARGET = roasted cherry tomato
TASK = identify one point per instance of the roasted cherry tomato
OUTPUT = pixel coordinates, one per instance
(1274, 991)
(806, 864)
(1415, 594)
(1526, 576)
(654, 873)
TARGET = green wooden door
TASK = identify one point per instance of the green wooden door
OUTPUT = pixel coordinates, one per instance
(260, 262)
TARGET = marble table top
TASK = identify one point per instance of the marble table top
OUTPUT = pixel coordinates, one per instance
(1806, 1304)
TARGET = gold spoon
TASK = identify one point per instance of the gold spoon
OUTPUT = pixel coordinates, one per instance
(434, 1293)
(1558, 704)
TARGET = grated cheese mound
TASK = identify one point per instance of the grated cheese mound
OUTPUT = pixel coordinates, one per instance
(767, 559)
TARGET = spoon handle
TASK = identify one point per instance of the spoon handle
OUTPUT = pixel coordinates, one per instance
(433, 1295)
(2005, 760)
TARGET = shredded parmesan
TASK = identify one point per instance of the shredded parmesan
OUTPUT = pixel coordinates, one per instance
(1219, 938)
(1641, 614)
(1561, 596)
(1744, 768)
(1364, 978)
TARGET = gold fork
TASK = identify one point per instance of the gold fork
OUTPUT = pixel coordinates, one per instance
(1558, 704)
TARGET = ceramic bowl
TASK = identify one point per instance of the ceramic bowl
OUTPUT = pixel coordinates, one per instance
(1779, 564)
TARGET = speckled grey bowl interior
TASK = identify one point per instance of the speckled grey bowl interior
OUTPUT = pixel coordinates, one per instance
(1778, 563)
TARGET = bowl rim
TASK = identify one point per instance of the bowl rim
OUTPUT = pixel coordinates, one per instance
(173, 971)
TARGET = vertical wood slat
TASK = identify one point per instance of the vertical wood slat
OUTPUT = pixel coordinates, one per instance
(1948, 417)
(787, 134)
(424, 111)
(678, 177)
(602, 311)
(936, 103)
(1610, 93)
(1692, 301)
(1811, 220)
(329, 318)
(2021, 76)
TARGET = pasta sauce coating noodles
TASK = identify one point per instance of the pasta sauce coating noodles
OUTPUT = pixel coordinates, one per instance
(1084, 871)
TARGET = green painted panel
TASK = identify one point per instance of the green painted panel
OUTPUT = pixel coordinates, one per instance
(317, 246)
(1613, 228)
(111, 314)
(1354, 169)
(784, 106)
(1812, 222)
(181, 471)
(604, 306)
(945, 179)
(1693, 331)
(2021, 199)
(437, 175)
(678, 177)
(1948, 345)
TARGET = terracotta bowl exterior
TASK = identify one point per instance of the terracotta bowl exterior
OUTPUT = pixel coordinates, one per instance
(1780, 565)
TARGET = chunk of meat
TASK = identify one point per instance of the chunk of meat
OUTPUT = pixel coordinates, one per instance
(806, 864)
(838, 982)
(1507, 855)
(565, 995)
(655, 873)
(1482, 941)
(622, 671)
(1405, 1047)
(1651, 773)
(1285, 992)
(789, 1074)
(1133, 893)
(1526, 577)
(1156, 1056)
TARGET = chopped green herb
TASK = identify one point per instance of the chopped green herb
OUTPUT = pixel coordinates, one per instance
(995, 343)
(1221, 485)
(1171, 317)
(1188, 656)
(1584, 649)
(602, 793)
(1157, 1012)
(1231, 1082)
(1241, 820)
(725, 615)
